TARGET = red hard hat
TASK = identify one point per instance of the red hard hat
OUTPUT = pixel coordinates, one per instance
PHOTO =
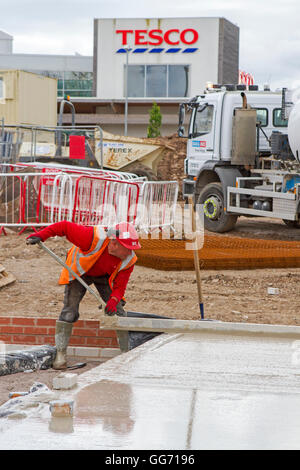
(126, 234)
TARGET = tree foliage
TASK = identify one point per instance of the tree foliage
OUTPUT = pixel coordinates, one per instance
(154, 121)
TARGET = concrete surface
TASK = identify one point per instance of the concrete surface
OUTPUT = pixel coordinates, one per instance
(212, 389)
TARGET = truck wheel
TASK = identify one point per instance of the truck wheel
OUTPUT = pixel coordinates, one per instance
(215, 218)
(143, 170)
(292, 223)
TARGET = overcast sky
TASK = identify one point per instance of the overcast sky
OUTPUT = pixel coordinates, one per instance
(269, 29)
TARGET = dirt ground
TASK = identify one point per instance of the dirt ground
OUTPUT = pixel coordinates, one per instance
(234, 296)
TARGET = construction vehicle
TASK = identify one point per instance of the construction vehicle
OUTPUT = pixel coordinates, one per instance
(31, 131)
(239, 159)
(99, 149)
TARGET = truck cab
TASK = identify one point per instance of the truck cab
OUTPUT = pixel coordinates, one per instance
(237, 152)
(210, 128)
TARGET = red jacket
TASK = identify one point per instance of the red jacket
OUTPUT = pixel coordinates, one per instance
(82, 237)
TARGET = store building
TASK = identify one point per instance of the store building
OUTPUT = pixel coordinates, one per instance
(169, 60)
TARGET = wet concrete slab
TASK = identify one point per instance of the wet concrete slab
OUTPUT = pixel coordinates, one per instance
(203, 390)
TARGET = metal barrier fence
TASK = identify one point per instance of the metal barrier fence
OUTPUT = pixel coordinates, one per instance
(157, 205)
(41, 198)
(104, 202)
(56, 167)
(10, 144)
(28, 199)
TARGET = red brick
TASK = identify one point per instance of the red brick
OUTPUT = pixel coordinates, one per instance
(77, 340)
(33, 330)
(98, 342)
(51, 331)
(6, 338)
(23, 321)
(84, 332)
(80, 323)
(23, 339)
(5, 320)
(11, 329)
(45, 340)
(46, 322)
(91, 323)
(114, 343)
(106, 333)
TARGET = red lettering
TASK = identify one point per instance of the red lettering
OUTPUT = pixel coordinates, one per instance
(157, 37)
(167, 36)
(155, 34)
(185, 31)
(124, 33)
(139, 35)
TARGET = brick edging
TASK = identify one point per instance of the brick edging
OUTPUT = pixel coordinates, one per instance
(37, 330)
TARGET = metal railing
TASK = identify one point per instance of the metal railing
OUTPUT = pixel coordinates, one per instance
(40, 198)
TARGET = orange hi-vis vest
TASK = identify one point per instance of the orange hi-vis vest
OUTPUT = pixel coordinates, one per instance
(82, 261)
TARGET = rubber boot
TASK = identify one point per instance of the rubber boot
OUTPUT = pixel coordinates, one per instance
(62, 336)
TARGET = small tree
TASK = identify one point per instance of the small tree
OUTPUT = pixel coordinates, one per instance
(154, 121)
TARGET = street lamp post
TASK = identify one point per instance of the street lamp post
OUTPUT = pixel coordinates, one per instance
(127, 48)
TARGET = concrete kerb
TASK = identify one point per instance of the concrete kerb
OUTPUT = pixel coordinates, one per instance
(192, 326)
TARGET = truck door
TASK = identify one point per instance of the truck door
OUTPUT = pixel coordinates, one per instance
(201, 142)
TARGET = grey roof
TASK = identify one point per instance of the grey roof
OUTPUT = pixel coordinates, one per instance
(4, 35)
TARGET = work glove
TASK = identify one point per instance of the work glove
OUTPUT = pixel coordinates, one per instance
(111, 307)
(33, 240)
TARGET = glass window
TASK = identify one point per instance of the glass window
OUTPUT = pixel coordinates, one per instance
(203, 120)
(178, 80)
(156, 80)
(277, 119)
(1, 89)
(70, 83)
(262, 116)
(136, 80)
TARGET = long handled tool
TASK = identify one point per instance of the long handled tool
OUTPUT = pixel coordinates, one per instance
(196, 258)
(57, 258)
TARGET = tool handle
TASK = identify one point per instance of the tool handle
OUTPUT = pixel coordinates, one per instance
(196, 258)
(57, 258)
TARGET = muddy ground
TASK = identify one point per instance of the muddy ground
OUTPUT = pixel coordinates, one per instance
(235, 296)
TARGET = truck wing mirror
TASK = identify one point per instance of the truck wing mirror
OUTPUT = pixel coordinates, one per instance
(181, 114)
(181, 131)
(202, 107)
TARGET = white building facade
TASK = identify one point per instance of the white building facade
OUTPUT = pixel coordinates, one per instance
(167, 58)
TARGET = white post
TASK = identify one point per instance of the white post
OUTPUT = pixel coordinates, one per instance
(127, 48)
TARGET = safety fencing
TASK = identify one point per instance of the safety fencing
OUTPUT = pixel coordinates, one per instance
(32, 198)
(69, 169)
(10, 144)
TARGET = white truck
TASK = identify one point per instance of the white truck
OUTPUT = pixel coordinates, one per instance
(239, 159)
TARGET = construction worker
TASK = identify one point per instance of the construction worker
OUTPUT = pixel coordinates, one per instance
(103, 258)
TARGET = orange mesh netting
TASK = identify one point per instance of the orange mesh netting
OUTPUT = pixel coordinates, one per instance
(220, 253)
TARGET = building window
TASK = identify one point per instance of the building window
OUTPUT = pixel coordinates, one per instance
(277, 119)
(71, 83)
(136, 80)
(157, 81)
(75, 84)
(1, 89)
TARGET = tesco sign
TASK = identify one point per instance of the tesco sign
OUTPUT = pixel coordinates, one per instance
(155, 37)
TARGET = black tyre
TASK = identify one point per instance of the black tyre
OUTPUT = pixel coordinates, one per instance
(215, 217)
(142, 170)
(292, 223)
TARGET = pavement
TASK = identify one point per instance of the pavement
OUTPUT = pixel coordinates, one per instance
(223, 386)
